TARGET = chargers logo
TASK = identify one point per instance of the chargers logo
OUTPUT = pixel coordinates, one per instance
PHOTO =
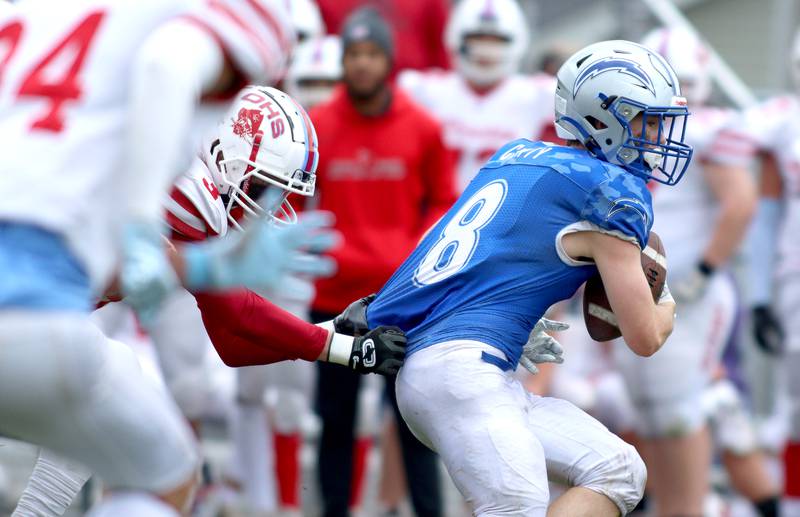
(621, 65)
(631, 204)
(247, 122)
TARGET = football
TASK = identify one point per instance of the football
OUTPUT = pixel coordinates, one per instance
(600, 320)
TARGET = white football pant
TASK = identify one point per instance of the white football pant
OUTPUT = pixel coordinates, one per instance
(500, 443)
(67, 387)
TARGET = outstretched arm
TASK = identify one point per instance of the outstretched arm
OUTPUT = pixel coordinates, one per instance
(248, 330)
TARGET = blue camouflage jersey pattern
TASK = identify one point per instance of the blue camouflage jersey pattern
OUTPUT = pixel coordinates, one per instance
(490, 268)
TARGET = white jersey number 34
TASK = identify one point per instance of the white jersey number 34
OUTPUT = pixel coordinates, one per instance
(70, 50)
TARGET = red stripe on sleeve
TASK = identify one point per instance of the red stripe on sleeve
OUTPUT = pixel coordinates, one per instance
(182, 231)
(229, 13)
(274, 26)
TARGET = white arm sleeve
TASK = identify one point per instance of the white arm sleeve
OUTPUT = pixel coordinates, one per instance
(761, 250)
(174, 66)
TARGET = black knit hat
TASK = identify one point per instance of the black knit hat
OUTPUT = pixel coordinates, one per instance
(366, 24)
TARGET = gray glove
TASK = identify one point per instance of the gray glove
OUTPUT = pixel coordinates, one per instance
(542, 347)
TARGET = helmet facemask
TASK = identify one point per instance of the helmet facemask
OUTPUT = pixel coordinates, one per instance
(654, 147)
(265, 150)
(243, 197)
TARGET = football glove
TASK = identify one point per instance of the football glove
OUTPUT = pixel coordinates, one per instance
(541, 346)
(263, 254)
(146, 275)
(353, 321)
(691, 287)
(381, 350)
(767, 330)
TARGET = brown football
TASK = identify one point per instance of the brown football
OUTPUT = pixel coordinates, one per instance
(600, 321)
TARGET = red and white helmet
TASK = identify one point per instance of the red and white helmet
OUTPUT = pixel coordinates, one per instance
(316, 67)
(688, 56)
(265, 140)
(483, 62)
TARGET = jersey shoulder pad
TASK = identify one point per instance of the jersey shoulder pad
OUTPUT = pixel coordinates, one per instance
(765, 123)
(425, 87)
(195, 210)
(410, 80)
(536, 85)
(706, 125)
(621, 204)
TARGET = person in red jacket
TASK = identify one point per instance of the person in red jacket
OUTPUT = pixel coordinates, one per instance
(417, 25)
(386, 176)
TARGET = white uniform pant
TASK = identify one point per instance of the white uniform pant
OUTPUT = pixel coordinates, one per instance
(67, 387)
(667, 389)
(500, 443)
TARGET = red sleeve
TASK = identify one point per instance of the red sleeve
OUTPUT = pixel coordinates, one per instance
(439, 177)
(248, 330)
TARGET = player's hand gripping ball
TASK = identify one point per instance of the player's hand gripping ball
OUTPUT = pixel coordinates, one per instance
(600, 320)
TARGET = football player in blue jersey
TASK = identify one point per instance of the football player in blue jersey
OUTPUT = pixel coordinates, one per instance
(536, 222)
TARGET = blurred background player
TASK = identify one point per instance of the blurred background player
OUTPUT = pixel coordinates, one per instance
(417, 26)
(316, 70)
(386, 175)
(671, 422)
(770, 131)
(75, 242)
(483, 103)
(306, 20)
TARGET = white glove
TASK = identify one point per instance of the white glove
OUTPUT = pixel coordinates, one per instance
(692, 286)
(146, 275)
(262, 255)
(542, 347)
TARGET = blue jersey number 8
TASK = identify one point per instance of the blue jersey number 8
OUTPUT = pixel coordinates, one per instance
(460, 237)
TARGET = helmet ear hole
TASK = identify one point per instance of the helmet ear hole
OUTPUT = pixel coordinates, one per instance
(595, 122)
(219, 159)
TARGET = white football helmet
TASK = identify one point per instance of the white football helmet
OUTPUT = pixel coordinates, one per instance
(316, 67)
(688, 56)
(266, 140)
(486, 62)
(603, 87)
(306, 19)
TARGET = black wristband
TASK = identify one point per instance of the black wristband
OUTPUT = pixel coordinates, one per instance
(705, 268)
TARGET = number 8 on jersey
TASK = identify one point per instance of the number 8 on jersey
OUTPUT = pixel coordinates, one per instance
(460, 237)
